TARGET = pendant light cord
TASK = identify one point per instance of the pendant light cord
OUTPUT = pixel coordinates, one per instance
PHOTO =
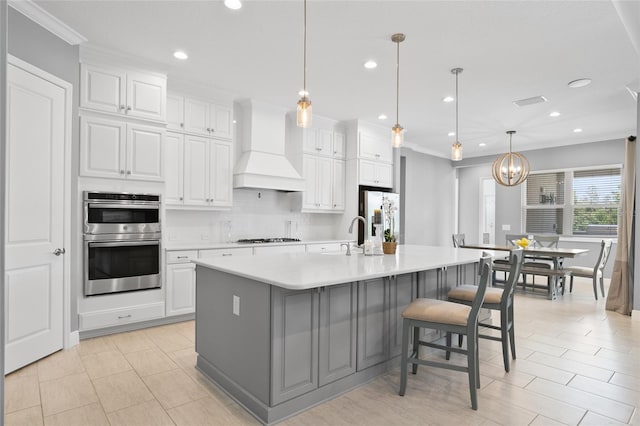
(304, 61)
(457, 135)
(397, 83)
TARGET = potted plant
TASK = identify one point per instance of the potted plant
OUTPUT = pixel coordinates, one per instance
(390, 239)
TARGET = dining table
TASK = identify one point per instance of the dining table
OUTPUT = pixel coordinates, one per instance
(556, 254)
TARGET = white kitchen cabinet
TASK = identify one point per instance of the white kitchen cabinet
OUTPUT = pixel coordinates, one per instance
(203, 118)
(120, 316)
(175, 112)
(338, 181)
(207, 172)
(226, 252)
(181, 289)
(324, 142)
(374, 148)
(373, 173)
(317, 174)
(124, 92)
(325, 184)
(324, 247)
(115, 149)
(174, 168)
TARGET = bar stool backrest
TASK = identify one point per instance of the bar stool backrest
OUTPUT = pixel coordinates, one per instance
(458, 240)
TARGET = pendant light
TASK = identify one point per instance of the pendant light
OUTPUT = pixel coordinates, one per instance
(456, 148)
(304, 104)
(511, 168)
(397, 132)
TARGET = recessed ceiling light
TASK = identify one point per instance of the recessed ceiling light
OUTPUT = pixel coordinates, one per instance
(233, 4)
(382, 117)
(448, 99)
(451, 134)
(179, 54)
(577, 130)
(482, 144)
(370, 65)
(581, 82)
(554, 114)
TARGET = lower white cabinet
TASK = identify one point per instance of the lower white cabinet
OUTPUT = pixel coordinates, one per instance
(300, 248)
(324, 247)
(181, 289)
(122, 316)
(226, 252)
(373, 173)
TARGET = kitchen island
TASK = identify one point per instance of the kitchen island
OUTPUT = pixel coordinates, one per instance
(281, 333)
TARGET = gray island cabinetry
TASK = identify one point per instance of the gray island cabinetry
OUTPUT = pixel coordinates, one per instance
(285, 332)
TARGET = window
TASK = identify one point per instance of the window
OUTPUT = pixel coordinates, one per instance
(573, 202)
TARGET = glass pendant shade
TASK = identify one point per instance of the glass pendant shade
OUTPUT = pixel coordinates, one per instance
(511, 168)
(304, 112)
(456, 151)
(397, 136)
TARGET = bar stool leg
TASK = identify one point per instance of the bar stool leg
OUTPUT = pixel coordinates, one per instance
(404, 358)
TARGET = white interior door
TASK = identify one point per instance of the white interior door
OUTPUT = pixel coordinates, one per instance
(34, 218)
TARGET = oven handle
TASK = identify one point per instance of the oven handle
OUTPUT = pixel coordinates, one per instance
(125, 206)
(124, 243)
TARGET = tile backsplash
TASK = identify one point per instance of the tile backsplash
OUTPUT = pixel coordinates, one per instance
(255, 214)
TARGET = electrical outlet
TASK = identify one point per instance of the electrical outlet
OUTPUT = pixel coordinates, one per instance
(204, 236)
(236, 305)
(506, 227)
(173, 237)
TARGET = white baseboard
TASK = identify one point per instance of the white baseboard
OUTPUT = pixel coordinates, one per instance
(635, 315)
(74, 339)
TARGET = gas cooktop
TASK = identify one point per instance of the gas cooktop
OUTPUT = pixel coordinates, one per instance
(268, 240)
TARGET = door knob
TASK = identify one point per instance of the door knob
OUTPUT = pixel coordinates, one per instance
(59, 251)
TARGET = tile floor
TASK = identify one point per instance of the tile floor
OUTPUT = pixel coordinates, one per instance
(577, 364)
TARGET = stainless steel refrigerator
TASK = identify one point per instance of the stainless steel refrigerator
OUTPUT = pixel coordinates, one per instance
(371, 208)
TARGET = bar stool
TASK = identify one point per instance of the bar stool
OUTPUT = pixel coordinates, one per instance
(499, 299)
(451, 318)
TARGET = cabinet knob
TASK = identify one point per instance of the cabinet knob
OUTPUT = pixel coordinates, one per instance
(124, 316)
(121, 106)
(213, 130)
(121, 172)
(377, 155)
(128, 108)
(208, 130)
(318, 148)
(180, 198)
(181, 124)
(227, 254)
(128, 172)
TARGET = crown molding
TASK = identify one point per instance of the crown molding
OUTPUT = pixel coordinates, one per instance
(47, 21)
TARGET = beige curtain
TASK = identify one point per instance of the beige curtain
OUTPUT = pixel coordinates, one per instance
(619, 299)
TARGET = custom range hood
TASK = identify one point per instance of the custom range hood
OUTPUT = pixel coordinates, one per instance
(263, 163)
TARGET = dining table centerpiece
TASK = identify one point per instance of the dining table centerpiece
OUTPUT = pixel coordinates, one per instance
(389, 210)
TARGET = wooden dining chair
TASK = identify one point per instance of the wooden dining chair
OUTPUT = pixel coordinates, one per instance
(596, 273)
(451, 318)
(511, 242)
(499, 299)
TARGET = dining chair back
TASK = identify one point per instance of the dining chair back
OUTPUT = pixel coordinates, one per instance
(458, 240)
(450, 318)
(596, 273)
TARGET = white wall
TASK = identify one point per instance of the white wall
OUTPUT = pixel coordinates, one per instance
(428, 197)
(255, 214)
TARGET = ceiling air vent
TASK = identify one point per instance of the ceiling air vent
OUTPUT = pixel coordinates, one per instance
(530, 101)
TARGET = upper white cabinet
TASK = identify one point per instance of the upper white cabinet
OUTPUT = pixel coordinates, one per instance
(373, 173)
(115, 149)
(199, 117)
(199, 171)
(374, 148)
(119, 91)
(325, 184)
(324, 142)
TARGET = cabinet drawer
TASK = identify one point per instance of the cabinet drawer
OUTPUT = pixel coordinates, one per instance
(113, 317)
(243, 251)
(182, 256)
(321, 248)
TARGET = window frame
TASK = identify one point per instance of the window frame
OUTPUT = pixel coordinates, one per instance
(568, 206)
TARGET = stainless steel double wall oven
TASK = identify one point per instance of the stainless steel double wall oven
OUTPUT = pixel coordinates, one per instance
(122, 238)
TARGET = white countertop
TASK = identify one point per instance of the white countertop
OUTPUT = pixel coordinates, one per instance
(204, 245)
(310, 270)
